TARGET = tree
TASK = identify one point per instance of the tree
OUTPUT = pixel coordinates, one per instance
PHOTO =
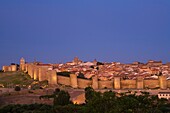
(80, 75)
(89, 93)
(92, 67)
(12, 63)
(1, 71)
(62, 98)
(57, 90)
(100, 63)
(17, 88)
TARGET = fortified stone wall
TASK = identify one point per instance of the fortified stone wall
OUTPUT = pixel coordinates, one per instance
(42, 73)
(117, 83)
(63, 80)
(22, 67)
(9, 68)
(26, 67)
(151, 84)
(95, 82)
(36, 73)
(5, 68)
(128, 84)
(168, 83)
(73, 80)
(13, 67)
(106, 84)
(52, 77)
(83, 83)
(162, 82)
(31, 70)
(139, 84)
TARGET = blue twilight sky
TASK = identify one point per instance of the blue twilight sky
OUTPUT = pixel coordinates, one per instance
(54, 31)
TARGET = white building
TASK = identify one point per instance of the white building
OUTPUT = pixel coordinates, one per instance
(165, 95)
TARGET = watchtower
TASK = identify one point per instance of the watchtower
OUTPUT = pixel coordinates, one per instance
(95, 84)
(117, 83)
(163, 82)
(22, 64)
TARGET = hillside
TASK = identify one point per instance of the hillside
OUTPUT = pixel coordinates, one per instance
(10, 79)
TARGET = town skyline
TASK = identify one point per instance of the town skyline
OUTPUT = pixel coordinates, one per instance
(63, 62)
(79, 74)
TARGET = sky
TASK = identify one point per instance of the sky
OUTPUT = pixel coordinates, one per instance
(55, 31)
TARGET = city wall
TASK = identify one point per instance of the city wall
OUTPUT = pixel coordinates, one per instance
(63, 80)
(83, 83)
(117, 84)
(151, 84)
(42, 73)
(105, 84)
(168, 83)
(128, 84)
(9, 68)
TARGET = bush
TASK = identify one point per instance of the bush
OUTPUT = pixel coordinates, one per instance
(100, 63)
(81, 75)
(92, 67)
(1, 71)
(12, 63)
(57, 90)
(30, 91)
(63, 98)
(17, 88)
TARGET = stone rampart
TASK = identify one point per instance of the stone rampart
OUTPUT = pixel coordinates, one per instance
(168, 83)
(9, 68)
(31, 70)
(13, 67)
(42, 73)
(5, 68)
(139, 83)
(95, 82)
(63, 80)
(128, 84)
(83, 83)
(36, 73)
(106, 84)
(151, 84)
(52, 77)
(117, 83)
(162, 82)
(73, 80)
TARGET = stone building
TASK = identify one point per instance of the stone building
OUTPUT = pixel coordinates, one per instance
(165, 95)
(22, 64)
(12, 67)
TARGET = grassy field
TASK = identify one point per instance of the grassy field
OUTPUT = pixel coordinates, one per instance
(10, 79)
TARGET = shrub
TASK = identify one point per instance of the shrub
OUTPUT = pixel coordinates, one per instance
(63, 98)
(30, 91)
(57, 90)
(100, 63)
(17, 88)
(1, 71)
(81, 75)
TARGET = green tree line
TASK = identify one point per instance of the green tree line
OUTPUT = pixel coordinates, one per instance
(96, 102)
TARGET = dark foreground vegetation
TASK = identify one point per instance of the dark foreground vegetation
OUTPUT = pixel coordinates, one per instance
(96, 102)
